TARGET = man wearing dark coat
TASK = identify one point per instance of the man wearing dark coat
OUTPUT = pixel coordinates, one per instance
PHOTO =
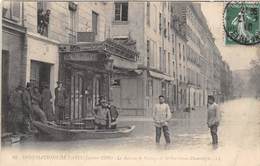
(17, 110)
(27, 106)
(60, 100)
(47, 102)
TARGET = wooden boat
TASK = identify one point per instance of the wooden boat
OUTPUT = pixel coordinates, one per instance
(58, 133)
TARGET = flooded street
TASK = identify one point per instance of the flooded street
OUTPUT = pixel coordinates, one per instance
(239, 138)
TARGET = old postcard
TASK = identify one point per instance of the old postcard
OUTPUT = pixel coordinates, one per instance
(123, 82)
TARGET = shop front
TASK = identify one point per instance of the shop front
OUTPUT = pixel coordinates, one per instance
(87, 70)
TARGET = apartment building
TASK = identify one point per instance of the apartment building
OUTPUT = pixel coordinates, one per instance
(148, 24)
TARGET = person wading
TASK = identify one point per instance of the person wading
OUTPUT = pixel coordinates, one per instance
(213, 119)
(161, 116)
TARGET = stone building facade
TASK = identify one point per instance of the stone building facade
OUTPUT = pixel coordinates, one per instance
(177, 56)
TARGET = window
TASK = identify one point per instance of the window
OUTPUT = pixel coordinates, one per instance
(169, 37)
(15, 10)
(43, 18)
(169, 63)
(73, 23)
(179, 51)
(155, 18)
(148, 52)
(160, 23)
(94, 22)
(149, 87)
(161, 58)
(121, 11)
(148, 14)
(183, 52)
(164, 61)
(164, 27)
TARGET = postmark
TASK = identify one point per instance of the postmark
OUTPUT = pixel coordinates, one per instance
(241, 23)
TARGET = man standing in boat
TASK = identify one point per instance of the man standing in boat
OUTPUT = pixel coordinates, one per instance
(60, 100)
(102, 115)
(161, 116)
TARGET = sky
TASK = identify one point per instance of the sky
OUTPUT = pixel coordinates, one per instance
(237, 56)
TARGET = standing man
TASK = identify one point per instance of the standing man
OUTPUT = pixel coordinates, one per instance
(60, 99)
(47, 106)
(161, 116)
(102, 115)
(27, 104)
(17, 110)
(213, 119)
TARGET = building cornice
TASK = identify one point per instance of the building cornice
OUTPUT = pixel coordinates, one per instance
(8, 24)
(42, 38)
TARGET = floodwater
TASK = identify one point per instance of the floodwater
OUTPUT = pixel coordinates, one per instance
(239, 140)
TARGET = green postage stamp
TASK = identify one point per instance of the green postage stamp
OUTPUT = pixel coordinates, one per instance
(241, 23)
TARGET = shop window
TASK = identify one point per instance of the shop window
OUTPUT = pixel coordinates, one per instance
(121, 11)
(43, 18)
(95, 22)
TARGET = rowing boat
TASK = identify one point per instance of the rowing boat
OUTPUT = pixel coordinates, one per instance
(59, 133)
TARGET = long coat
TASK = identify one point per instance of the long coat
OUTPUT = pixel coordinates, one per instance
(60, 97)
(102, 116)
(16, 103)
(27, 101)
(47, 104)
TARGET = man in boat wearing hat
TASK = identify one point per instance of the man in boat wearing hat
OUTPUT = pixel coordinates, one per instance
(102, 115)
(60, 100)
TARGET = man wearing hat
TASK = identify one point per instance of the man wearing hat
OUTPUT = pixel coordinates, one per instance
(102, 115)
(60, 100)
(16, 103)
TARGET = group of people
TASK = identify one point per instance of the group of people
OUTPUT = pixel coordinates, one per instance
(162, 115)
(28, 103)
(43, 20)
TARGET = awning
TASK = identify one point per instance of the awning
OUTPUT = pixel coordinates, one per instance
(161, 76)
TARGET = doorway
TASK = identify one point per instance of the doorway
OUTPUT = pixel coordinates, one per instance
(40, 73)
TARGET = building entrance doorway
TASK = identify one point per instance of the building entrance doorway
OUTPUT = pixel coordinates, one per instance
(40, 73)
